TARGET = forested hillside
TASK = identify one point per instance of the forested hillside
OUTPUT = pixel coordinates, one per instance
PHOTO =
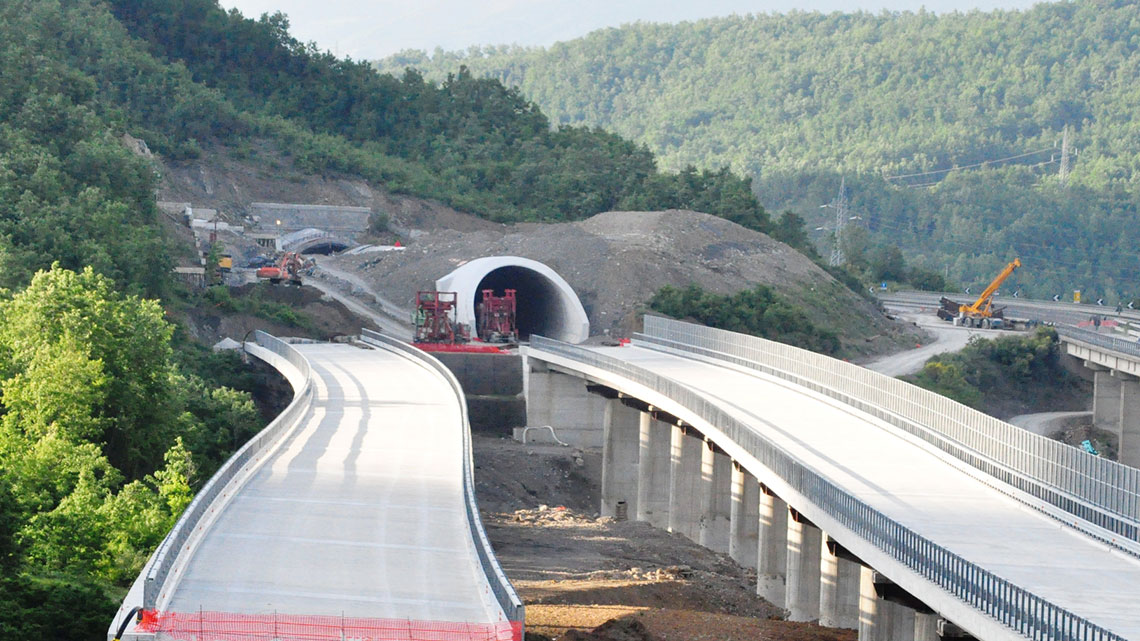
(110, 416)
(893, 102)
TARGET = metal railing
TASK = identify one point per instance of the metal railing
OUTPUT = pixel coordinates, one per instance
(1011, 605)
(1102, 492)
(191, 519)
(500, 586)
(1118, 345)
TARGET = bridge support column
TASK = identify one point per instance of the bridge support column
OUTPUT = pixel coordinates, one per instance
(1128, 434)
(772, 551)
(620, 453)
(838, 589)
(716, 476)
(804, 541)
(686, 500)
(925, 626)
(653, 472)
(1106, 399)
(886, 619)
(562, 401)
(744, 517)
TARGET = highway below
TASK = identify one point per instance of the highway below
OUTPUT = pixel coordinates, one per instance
(947, 338)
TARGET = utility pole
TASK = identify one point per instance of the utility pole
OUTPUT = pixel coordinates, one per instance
(840, 205)
(1065, 161)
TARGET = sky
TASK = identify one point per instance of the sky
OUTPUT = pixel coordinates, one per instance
(373, 29)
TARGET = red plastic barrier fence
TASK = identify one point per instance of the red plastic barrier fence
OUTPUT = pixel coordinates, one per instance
(229, 626)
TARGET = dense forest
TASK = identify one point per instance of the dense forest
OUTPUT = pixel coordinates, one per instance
(948, 128)
(110, 416)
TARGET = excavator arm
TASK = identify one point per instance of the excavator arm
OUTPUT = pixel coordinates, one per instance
(982, 305)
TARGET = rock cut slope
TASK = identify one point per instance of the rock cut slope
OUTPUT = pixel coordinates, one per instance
(616, 261)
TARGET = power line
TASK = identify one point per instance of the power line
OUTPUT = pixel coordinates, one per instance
(971, 166)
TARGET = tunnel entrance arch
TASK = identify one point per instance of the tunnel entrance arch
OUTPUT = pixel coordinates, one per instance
(547, 305)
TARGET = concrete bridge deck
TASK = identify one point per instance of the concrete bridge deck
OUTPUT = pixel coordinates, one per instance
(360, 513)
(912, 483)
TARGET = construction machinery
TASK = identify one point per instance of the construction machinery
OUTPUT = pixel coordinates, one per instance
(437, 329)
(497, 317)
(288, 269)
(980, 313)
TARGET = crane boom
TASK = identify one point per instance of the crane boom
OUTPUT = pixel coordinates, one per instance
(981, 307)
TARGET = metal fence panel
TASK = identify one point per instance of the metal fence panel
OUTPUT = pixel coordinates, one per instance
(970, 583)
(1097, 490)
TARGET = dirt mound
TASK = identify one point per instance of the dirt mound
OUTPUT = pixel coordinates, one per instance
(616, 261)
(612, 630)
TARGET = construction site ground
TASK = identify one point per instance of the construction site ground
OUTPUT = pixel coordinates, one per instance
(576, 571)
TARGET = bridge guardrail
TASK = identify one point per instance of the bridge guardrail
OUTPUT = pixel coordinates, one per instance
(167, 553)
(1119, 345)
(504, 593)
(1102, 492)
(1013, 606)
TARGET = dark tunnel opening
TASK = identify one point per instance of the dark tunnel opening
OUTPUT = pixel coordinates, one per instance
(540, 308)
(325, 248)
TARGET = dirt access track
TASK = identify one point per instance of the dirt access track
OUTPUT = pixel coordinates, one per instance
(576, 571)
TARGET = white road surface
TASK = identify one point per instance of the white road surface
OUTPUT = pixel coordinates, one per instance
(947, 338)
(921, 490)
(360, 513)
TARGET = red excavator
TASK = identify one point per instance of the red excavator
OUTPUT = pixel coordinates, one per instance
(288, 269)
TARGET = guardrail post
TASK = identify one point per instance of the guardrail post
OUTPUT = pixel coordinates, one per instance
(772, 551)
(619, 457)
(653, 471)
(744, 517)
(804, 542)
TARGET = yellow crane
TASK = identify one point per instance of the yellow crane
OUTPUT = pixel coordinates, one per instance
(980, 312)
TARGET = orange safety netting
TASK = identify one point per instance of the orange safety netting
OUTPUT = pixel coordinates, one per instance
(230, 626)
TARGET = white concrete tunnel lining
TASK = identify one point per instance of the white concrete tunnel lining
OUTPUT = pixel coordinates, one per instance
(547, 305)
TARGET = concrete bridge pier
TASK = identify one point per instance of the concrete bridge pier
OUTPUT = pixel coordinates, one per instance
(772, 551)
(839, 587)
(1106, 398)
(716, 475)
(620, 457)
(653, 471)
(563, 402)
(1128, 434)
(888, 613)
(803, 566)
(744, 517)
(687, 497)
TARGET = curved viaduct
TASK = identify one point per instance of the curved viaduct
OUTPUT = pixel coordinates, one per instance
(861, 500)
(351, 516)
